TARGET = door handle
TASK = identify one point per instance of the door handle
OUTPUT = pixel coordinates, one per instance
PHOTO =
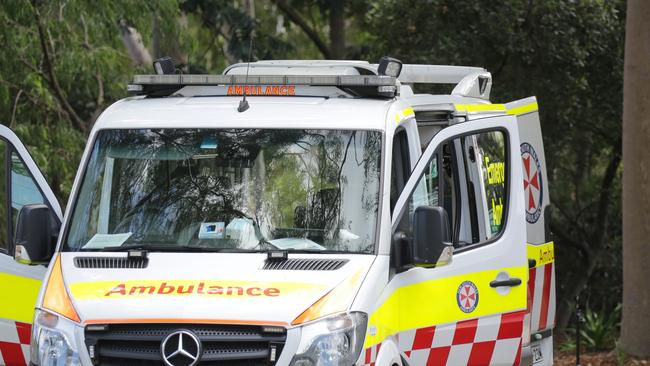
(510, 282)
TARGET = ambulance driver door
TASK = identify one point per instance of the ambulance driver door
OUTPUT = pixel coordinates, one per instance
(460, 251)
(21, 184)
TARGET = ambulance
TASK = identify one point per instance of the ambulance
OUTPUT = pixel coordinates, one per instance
(306, 213)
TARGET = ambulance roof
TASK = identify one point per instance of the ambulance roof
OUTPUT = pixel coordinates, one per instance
(264, 112)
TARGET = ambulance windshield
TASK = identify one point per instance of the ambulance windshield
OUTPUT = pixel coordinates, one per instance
(229, 190)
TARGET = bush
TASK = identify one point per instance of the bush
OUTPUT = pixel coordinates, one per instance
(598, 331)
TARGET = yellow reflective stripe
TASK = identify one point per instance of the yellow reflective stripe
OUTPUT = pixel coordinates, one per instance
(480, 107)
(404, 114)
(472, 108)
(542, 253)
(408, 112)
(434, 302)
(18, 297)
(523, 109)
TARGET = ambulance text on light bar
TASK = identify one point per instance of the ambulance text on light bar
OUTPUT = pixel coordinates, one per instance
(288, 90)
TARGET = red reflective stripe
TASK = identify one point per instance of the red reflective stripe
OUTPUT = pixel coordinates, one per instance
(481, 353)
(368, 355)
(24, 332)
(465, 332)
(532, 273)
(546, 295)
(12, 354)
(438, 356)
(512, 325)
(423, 338)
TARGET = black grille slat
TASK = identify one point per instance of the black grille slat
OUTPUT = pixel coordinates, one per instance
(111, 262)
(305, 264)
(138, 344)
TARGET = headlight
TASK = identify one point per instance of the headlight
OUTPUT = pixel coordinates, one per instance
(336, 340)
(53, 342)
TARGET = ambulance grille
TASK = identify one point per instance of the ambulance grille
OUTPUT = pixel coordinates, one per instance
(111, 262)
(140, 344)
(305, 264)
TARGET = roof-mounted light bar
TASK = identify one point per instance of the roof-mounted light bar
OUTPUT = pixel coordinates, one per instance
(360, 85)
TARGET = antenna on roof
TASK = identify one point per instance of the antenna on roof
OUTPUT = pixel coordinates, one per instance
(243, 104)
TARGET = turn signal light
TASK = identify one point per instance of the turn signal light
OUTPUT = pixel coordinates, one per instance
(56, 296)
(335, 301)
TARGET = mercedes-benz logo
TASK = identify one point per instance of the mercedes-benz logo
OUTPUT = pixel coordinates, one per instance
(181, 348)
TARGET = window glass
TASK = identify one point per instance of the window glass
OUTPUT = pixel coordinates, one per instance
(470, 185)
(230, 189)
(491, 152)
(24, 190)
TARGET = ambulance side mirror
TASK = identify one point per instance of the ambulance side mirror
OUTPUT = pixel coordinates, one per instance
(33, 239)
(432, 245)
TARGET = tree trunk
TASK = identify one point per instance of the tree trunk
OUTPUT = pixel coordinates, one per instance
(636, 181)
(337, 29)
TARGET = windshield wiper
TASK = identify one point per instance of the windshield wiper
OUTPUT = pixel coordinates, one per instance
(161, 248)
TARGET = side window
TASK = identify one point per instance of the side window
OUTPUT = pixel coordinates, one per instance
(485, 161)
(23, 188)
(400, 166)
(466, 177)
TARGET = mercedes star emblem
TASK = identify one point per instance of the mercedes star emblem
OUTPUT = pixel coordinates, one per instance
(181, 348)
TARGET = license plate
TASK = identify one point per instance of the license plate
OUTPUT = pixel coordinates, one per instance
(537, 353)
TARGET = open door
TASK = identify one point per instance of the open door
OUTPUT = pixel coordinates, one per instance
(540, 319)
(21, 183)
(467, 307)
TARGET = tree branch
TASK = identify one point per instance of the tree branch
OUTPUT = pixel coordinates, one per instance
(566, 239)
(51, 76)
(13, 112)
(35, 101)
(300, 22)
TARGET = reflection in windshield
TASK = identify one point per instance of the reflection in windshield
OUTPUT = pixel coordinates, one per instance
(249, 189)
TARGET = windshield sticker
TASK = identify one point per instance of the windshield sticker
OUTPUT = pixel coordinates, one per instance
(100, 241)
(207, 288)
(211, 230)
(533, 185)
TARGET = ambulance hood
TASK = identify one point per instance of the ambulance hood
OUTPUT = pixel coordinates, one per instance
(206, 287)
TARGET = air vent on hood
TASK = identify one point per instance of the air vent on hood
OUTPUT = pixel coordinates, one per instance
(305, 264)
(110, 262)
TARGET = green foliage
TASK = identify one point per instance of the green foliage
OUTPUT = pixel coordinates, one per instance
(63, 62)
(570, 55)
(598, 331)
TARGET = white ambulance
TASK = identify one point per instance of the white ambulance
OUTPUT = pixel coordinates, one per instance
(287, 213)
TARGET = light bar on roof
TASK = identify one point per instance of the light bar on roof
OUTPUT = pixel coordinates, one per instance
(316, 80)
(365, 86)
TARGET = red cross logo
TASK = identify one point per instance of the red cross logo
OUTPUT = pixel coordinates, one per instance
(531, 182)
(467, 296)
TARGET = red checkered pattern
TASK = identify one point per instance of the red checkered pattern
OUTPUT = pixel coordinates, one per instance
(14, 343)
(492, 340)
(370, 355)
(541, 297)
